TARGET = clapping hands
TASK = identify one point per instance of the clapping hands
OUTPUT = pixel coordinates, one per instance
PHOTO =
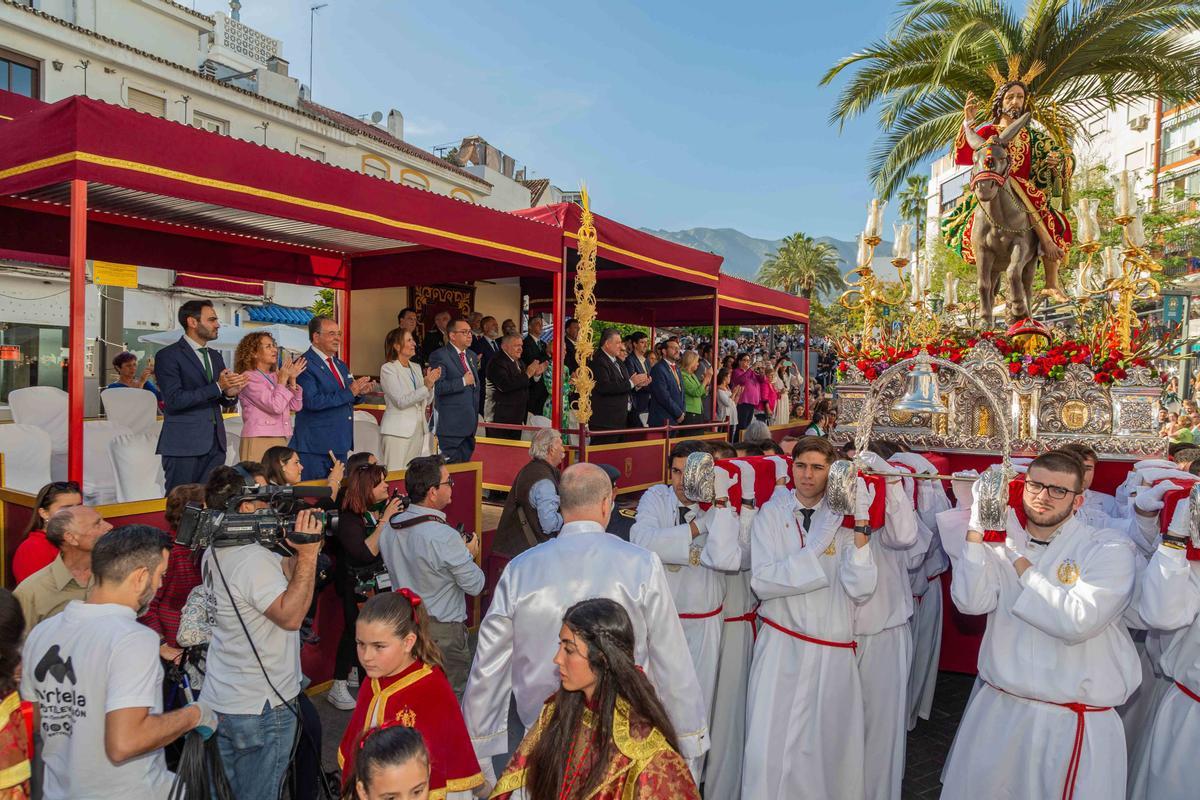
(231, 383)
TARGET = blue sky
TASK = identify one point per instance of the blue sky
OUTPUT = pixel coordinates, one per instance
(676, 114)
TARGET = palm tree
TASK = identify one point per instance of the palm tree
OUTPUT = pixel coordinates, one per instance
(801, 266)
(1082, 55)
(914, 205)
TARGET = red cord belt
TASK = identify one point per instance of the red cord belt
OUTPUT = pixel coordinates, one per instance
(1080, 710)
(805, 638)
(704, 615)
(1188, 691)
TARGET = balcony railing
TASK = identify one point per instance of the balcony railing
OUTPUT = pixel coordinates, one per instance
(1176, 154)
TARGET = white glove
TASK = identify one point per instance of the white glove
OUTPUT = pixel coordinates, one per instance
(1180, 519)
(746, 481)
(1020, 469)
(1150, 498)
(875, 462)
(207, 725)
(1153, 474)
(1022, 460)
(694, 515)
(1012, 554)
(974, 524)
(781, 467)
(864, 496)
(1150, 463)
(722, 483)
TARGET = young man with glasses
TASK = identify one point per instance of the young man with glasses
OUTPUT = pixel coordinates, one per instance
(1056, 657)
(423, 553)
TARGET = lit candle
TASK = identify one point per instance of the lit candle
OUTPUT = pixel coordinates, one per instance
(1079, 288)
(1136, 231)
(1124, 201)
(864, 251)
(951, 290)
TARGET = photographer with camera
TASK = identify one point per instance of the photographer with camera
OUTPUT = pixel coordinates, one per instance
(436, 561)
(366, 508)
(261, 595)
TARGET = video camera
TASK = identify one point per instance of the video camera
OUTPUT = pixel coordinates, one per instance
(202, 527)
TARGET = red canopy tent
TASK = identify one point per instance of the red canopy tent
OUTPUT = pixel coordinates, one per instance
(83, 179)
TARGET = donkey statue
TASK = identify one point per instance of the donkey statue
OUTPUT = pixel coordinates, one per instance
(1002, 233)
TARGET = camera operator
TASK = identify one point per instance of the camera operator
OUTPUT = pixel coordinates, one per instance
(426, 555)
(366, 508)
(253, 677)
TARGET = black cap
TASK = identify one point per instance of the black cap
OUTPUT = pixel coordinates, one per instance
(612, 472)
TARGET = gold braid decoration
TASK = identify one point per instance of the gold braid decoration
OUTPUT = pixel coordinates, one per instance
(582, 379)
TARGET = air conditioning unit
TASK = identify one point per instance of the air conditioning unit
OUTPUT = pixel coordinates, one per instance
(1140, 123)
(1193, 148)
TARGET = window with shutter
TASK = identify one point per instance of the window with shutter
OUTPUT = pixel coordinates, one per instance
(145, 102)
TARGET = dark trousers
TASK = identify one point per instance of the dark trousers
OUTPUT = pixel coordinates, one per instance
(456, 449)
(179, 470)
(634, 419)
(315, 465)
(347, 651)
(745, 415)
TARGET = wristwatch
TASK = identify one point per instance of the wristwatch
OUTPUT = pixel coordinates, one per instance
(1175, 542)
(865, 530)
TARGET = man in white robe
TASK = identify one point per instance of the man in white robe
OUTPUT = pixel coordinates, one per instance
(885, 641)
(1169, 600)
(675, 528)
(1055, 657)
(517, 638)
(926, 587)
(805, 736)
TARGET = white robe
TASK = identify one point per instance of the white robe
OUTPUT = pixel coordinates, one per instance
(1054, 636)
(728, 549)
(805, 735)
(1163, 768)
(697, 589)
(883, 664)
(926, 627)
(518, 637)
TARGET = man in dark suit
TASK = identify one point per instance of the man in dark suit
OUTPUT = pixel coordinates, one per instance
(534, 350)
(196, 388)
(509, 381)
(436, 338)
(407, 319)
(325, 425)
(572, 333)
(486, 346)
(636, 364)
(611, 396)
(666, 388)
(456, 394)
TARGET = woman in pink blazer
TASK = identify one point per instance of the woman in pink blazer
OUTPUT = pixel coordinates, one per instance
(270, 396)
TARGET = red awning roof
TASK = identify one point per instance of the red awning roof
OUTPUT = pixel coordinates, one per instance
(168, 195)
(630, 247)
(745, 302)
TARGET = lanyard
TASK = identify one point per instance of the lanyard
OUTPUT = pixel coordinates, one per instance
(265, 375)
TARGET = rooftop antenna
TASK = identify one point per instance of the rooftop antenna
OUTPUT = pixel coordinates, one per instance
(312, 15)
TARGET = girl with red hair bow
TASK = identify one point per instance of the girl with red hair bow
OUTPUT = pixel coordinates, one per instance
(407, 686)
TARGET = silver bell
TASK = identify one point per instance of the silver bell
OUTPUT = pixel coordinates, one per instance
(922, 395)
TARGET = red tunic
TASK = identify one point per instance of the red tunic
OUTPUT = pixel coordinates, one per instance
(419, 697)
(16, 747)
(644, 766)
(32, 554)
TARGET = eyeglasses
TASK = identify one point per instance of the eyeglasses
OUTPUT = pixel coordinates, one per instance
(447, 482)
(1033, 489)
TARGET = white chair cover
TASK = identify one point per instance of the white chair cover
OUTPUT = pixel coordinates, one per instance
(366, 416)
(44, 407)
(135, 409)
(233, 443)
(537, 421)
(99, 478)
(366, 435)
(138, 469)
(233, 425)
(26, 452)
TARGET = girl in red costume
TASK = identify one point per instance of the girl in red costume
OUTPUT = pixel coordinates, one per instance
(16, 716)
(408, 687)
(391, 762)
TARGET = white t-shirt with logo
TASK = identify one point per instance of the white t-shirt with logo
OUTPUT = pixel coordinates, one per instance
(78, 666)
(234, 681)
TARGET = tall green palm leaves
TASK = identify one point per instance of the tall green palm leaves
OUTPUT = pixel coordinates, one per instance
(1093, 53)
(802, 266)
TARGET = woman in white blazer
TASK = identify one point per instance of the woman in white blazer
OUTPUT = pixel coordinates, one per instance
(407, 393)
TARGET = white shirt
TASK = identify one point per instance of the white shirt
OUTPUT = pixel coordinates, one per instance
(1170, 601)
(894, 549)
(234, 683)
(519, 635)
(1054, 634)
(79, 665)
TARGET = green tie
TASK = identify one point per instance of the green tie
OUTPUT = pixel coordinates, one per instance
(207, 364)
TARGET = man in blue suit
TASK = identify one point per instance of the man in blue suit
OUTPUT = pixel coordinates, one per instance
(456, 394)
(325, 425)
(666, 388)
(196, 388)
